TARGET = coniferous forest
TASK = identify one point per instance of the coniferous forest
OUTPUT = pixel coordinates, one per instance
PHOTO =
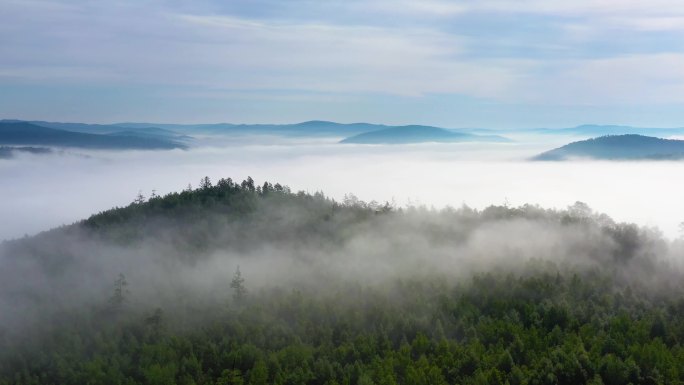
(243, 283)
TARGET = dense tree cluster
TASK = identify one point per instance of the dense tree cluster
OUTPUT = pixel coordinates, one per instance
(553, 321)
(545, 328)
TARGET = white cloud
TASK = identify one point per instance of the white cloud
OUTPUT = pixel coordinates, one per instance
(631, 80)
(47, 192)
(349, 59)
(132, 44)
(153, 44)
(656, 23)
(430, 8)
(583, 7)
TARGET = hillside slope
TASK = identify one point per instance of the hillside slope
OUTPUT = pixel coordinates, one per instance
(619, 147)
(238, 283)
(23, 133)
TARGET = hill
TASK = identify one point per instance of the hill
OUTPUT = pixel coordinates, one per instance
(418, 134)
(97, 128)
(238, 283)
(618, 147)
(23, 133)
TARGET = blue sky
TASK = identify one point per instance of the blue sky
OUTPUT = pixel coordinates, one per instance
(499, 63)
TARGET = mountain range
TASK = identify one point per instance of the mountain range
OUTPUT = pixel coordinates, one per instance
(169, 136)
(25, 133)
(153, 135)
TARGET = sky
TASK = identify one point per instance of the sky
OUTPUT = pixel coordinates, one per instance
(493, 63)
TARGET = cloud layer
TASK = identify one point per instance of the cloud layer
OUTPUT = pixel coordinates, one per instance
(208, 55)
(47, 192)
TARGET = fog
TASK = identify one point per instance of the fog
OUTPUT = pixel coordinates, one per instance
(186, 259)
(41, 192)
(182, 260)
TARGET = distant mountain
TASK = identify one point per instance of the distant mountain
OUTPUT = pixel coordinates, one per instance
(312, 128)
(151, 132)
(618, 147)
(418, 134)
(23, 133)
(9, 152)
(182, 131)
(77, 127)
(595, 130)
(108, 129)
(316, 128)
(322, 128)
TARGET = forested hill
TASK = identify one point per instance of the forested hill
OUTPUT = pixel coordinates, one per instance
(246, 283)
(619, 147)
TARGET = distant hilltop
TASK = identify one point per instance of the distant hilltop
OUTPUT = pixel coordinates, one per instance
(419, 134)
(618, 147)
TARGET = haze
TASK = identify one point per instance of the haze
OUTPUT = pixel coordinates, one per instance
(41, 192)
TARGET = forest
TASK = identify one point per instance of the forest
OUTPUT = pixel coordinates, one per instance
(246, 283)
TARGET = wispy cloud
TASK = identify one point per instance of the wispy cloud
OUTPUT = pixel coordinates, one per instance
(531, 52)
(582, 7)
(347, 58)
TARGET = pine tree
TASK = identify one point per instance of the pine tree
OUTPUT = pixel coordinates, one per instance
(238, 286)
(205, 183)
(119, 297)
(140, 198)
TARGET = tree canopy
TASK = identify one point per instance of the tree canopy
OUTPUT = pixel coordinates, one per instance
(457, 308)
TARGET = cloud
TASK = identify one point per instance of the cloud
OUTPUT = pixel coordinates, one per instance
(136, 45)
(630, 80)
(534, 52)
(653, 24)
(48, 192)
(348, 59)
(582, 7)
(424, 8)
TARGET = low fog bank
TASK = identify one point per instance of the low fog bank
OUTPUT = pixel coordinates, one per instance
(181, 251)
(40, 192)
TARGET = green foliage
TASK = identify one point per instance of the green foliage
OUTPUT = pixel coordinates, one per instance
(238, 286)
(508, 341)
(545, 324)
(119, 296)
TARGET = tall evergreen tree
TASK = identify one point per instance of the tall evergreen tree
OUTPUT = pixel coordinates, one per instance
(238, 286)
(119, 296)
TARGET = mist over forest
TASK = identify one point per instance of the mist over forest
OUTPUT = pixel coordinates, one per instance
(63, 187)
(341, 192)
(280, 280)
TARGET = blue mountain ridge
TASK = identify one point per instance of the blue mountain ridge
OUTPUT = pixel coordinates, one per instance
(618, 147)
